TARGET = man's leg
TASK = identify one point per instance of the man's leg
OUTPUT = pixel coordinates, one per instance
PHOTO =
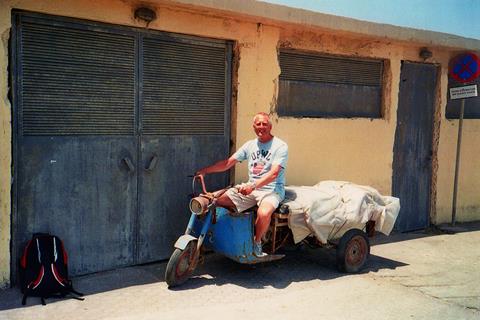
(235, 201)
(225, 202)
(264, 213)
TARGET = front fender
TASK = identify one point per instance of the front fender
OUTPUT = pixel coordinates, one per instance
(183, 241)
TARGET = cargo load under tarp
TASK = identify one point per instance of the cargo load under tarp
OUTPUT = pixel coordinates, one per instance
(330, 208)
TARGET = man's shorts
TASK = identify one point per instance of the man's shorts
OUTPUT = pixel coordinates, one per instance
(243, 202)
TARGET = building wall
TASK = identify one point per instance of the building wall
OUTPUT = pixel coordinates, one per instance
(5, 154)
(357, 150)
(468, 200)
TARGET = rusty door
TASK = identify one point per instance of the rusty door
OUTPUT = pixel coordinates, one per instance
(75, 140)
(412, 156)
(185, 86)
(109, 122)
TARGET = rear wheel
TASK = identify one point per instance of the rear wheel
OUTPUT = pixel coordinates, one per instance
(181, 265)
(353, 251)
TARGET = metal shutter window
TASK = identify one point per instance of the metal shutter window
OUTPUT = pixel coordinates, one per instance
(313, 85)
(76, 82)
(183, 87)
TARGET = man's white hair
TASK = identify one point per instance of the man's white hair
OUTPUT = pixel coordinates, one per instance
(262, 114)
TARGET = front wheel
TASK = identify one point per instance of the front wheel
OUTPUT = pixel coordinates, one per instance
(353, 251)
(181, 265)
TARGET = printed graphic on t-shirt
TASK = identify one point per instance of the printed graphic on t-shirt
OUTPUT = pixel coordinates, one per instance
(258, 167)
(261, 154)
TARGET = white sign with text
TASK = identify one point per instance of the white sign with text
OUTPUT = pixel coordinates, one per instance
(463, 92)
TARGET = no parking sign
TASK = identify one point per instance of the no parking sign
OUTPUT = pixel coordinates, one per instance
(465, 68)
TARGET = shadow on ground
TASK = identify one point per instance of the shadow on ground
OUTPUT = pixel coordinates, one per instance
(300, 264)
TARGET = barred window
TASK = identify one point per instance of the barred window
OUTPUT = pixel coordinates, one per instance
(327, 86)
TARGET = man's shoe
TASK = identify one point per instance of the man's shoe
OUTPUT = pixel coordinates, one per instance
(257, 250)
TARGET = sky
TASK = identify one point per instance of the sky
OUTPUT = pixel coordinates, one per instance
(459, 17)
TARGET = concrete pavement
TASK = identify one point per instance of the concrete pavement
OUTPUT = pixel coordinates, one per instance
(422, 275)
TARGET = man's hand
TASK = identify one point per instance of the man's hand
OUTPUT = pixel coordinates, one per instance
(246, 188)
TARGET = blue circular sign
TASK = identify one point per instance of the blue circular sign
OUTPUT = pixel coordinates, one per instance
(465, 68)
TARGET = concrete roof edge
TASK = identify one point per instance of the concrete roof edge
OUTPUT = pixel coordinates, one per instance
(263, 10)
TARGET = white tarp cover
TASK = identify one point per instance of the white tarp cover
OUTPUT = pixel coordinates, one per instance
(330, 208)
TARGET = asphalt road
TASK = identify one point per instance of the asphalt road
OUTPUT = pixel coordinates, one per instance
(423, 275)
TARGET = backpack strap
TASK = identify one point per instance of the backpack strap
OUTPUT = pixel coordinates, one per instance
(38, 252)
(76, 292)
(65, 256)
(23, 260)
(25, 295)
(70, 289)
(62, 281)
(35, 283)
(77, 298)
(55, 253)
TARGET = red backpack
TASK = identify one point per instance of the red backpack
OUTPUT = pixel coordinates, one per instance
(44, 269)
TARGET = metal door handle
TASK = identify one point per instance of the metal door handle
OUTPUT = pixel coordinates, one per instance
(152, 164)
(128, 162)
(428, 159)
(427, 162)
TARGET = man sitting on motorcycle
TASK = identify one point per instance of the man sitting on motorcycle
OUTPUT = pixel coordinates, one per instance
(267, 160)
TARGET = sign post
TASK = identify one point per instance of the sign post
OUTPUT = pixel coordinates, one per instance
(465, 69)
(457, 162)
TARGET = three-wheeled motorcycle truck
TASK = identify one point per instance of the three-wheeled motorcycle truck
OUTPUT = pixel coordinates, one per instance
(232, 234)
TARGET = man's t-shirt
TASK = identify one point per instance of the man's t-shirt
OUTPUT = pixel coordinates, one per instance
(261, 157)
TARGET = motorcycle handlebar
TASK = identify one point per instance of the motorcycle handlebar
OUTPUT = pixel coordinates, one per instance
(202, 181)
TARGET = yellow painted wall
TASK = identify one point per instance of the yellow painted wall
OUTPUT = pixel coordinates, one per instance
(468, 197)
(358, 150)
(5, 153)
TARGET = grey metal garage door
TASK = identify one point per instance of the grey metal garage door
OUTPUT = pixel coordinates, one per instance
(109, 121)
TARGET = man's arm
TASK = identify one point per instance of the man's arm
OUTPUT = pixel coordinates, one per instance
(263, 181)
(219, 166)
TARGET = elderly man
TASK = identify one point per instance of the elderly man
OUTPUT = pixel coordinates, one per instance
(267, 160)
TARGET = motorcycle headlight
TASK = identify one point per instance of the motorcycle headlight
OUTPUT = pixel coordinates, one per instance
(199, 205)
